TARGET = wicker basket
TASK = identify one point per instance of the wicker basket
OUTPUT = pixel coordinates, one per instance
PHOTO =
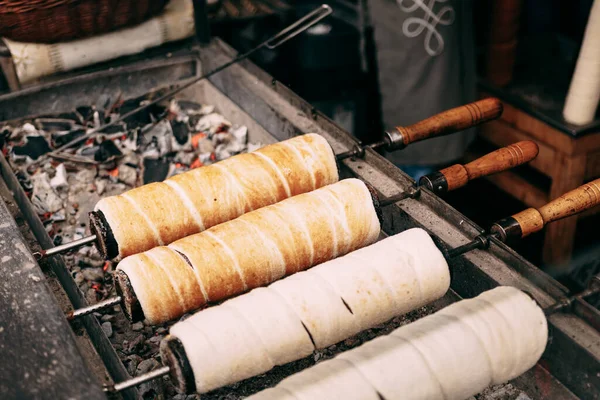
(50, 21)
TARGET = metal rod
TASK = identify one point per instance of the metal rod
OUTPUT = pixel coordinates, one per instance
(410, 192)
(567, 302)
(113, 301)
(358, 151)
(480, 242)
(299, 26)
(138, 380)
(65, 247)
(276, 40)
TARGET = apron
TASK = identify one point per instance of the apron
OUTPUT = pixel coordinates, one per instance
(426, 57)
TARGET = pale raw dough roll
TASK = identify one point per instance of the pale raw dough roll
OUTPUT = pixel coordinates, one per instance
(253, 250)
(584, 93)
(452, 354)
(286, 321)
(160, 213)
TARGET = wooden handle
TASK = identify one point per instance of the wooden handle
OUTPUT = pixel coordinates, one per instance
(454, 120)
(497, 161)
(570, 203)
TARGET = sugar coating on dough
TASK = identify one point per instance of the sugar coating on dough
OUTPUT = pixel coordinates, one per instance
(313, 309)
(452, 354)
(160, 213)
(253, 250)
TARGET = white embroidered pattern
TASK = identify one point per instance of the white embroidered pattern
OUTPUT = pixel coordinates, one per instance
(414, 26)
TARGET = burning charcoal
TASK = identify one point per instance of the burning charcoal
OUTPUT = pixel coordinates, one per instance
(131, 159)
(120, 127)
(72, 116)
(79, 233)
(107, 328)
(147, 366)
(155, 339)
(240, 134)
(107, 317)
(130, 143)
(93, 274)
(155, 170)
(134, 361)
(63, 137)
(150, 390)
(212, 123)
(135, 345)
(97, 119)
(79, 278)
(222, 152)
(54, 124)
(230, 144)
(205, 145)
(253, 147)
(86, 113)
(59, 181)
(4, 134)
(91, 296)
(176, 169)
(194, 119)
(205, 158)
(24, 180)
(207, 109)
(138, 326)
(100, 185)
(44, 198)
(34, 147)
(184, 158)
(85, 175)
(107, 150)
(29, 128)
(128, 175)
(181, 132)
(159, 136)
(59, 216)
(161, 330)
(187, 106)
(143, 117)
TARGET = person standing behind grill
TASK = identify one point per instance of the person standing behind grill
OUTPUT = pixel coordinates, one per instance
(426, 62)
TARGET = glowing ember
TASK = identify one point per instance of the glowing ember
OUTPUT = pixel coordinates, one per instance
(196, 164)
(196, 139)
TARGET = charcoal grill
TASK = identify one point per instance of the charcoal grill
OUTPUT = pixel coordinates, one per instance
(63, 361)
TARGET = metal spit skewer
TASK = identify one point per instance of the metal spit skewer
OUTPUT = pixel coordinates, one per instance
(138, 380)
(101, 305)
(561, 305)
(65, 247)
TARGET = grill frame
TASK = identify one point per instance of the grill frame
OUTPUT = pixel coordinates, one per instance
(574, 351)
